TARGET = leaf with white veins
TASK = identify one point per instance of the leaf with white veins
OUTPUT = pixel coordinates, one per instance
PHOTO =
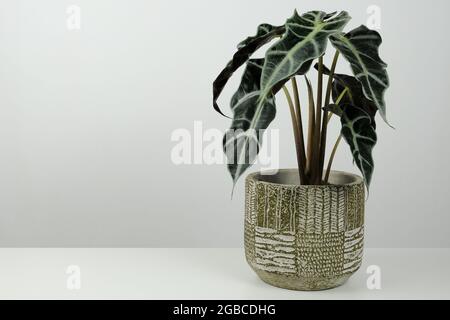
(353, 96)
(360, 47)
(250, 118)
(246, 48)
(262, 31)
(305, 39)
(359, 132)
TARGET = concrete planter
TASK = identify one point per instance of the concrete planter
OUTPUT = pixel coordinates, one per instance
(304, 237)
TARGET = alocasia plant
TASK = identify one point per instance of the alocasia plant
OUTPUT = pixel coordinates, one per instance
(354, 99)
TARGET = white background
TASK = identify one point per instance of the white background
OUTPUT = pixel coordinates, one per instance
(86, 119)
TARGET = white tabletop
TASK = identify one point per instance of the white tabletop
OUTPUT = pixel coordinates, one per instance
(203, 274)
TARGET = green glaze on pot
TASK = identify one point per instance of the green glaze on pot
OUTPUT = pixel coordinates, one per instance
(304, 237)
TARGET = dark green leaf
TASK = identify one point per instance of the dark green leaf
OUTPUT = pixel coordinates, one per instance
(250, 118)
(305, 39)
(246, 48)
(360, 47)
(359, 132)
(354, 95)
(262, 30)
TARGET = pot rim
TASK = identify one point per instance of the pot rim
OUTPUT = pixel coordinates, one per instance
(256, 176)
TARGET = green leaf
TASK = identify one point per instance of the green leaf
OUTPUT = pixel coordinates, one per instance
(360, 47)
(354, 95)
(359, 131)
(262, 30)
(246, 48)
(250, 118)
(357, 115)
(305, 39)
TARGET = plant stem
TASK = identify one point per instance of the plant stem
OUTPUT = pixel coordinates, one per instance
(299, 124)
(323, 137)
(338, 100)
(341, 96)
(296, 135)
(311, 128)
(330, 162)
(330, 78)
(317, 174)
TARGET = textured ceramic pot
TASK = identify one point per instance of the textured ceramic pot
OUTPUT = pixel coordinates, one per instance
(304, 237)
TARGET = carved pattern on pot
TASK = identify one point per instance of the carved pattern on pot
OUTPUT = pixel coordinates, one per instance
(312, 235)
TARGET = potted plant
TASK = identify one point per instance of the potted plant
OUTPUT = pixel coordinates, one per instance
(304, 226)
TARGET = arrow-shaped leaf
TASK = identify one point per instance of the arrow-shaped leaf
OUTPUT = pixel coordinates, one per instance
(353, 96)
(360, 47)
(305, 39)
(359, 132)
(246, 48)
(250, 118)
